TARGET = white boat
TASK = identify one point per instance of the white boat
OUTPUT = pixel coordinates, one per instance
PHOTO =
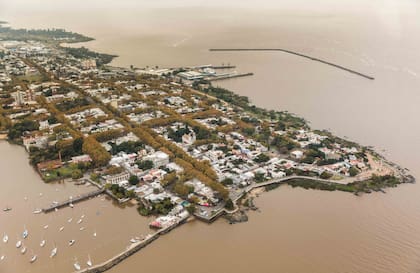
(6, 209)
(94, 234)
(25, 198)
(5, 238)
(69, 220)
(46, 226)
(33, 259)
(37, 211)
(71, 205)
(42, 244)
(41, 194)
(89, 261)
(23, 250)
(71, 242)
(2, 258)
(82, 228)
(61, 229)
(80, 221)
(83, 216)
(76, 265)
(18, 244)
(53, 252)
(25, 234)
(133, 241)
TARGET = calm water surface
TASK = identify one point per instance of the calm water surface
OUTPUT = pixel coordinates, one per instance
(297, 230)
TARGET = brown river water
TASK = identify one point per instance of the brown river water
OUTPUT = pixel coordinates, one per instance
(296, 230)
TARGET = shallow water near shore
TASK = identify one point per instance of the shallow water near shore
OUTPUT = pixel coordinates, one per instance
(297, 230)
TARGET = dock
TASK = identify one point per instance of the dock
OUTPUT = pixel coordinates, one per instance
(228, 76)
(132, 249)
(74, 200)
(223, 66)
(297, 54)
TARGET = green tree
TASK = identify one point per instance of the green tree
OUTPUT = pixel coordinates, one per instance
(353, 171)
(145, 164)
(133, 180)
(76, 174)
(326, 175)
(229, 204)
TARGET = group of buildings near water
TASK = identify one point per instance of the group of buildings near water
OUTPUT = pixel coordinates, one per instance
(153, 139)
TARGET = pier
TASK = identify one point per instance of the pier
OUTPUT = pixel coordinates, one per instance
(131, 249)
(228, 76)
(297, 54)
(73, 200)
(222, 66)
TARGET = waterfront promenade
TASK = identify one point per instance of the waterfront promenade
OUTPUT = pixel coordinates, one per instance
(215, 212)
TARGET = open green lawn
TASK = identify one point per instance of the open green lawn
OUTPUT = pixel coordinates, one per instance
(63, 172)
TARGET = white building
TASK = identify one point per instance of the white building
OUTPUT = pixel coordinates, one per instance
(117, 178)
(158, 158)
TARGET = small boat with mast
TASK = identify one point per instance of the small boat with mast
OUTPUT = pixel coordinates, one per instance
(33, 258)
(5, 238)
(76, 265)
(25, 233)
(37, 211)
(42, 244)
(53, 251)
(89, 261)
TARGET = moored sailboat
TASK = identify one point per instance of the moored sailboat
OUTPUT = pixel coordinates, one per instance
(89, 261)
(33, 259)
(53, 252)
(76, 265)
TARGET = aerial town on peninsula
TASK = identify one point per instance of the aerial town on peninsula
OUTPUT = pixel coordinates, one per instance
(166, 139)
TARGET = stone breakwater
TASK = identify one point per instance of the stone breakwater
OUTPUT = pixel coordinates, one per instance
(297, 54)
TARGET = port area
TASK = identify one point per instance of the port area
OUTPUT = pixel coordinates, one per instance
(192, 74)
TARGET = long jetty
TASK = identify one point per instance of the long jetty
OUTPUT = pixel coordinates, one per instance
(229, 76)
(73, 200)
(297, 54)
(133, 248)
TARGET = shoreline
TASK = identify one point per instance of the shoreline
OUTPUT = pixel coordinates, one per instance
(255, 189)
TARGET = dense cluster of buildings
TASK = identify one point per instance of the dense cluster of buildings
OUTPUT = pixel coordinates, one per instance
(72, 98)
